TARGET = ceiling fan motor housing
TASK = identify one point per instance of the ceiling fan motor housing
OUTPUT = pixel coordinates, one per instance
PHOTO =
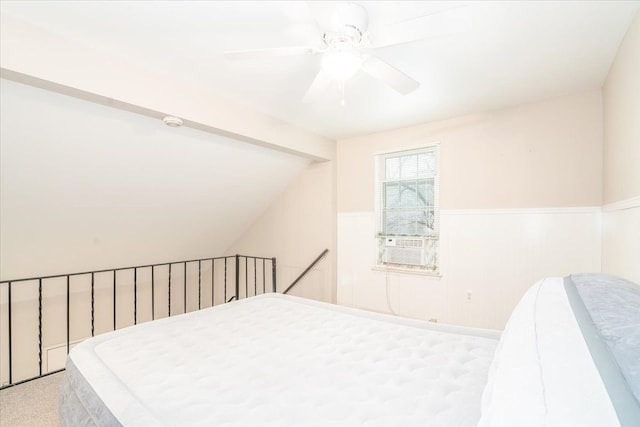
(348, 24)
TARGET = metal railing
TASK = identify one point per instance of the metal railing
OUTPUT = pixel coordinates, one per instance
(304, 273)
(221, 264)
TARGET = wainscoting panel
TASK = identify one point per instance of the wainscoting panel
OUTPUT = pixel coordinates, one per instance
(621, 239)
(488, 259)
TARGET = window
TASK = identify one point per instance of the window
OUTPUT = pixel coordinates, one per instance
(407, 209)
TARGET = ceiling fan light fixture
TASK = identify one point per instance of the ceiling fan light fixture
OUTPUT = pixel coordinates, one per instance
(342, 64)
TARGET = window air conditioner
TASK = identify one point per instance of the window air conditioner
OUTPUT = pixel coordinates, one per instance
(406, 251)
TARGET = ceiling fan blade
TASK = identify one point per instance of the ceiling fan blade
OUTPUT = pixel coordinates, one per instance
(442, 23)
(395, 78)
(318, 88)
(269, 53)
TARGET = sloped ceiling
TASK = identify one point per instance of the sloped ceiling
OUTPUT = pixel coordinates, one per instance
(84, 184)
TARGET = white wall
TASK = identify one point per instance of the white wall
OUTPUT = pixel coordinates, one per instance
(621, 239)
(621, 175)
(296, 228)
(520, 195)
(621, 100)
(495, 254)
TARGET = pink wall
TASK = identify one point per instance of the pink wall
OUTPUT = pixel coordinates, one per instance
(546, 154)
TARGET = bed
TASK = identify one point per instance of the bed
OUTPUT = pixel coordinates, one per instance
(565, 358)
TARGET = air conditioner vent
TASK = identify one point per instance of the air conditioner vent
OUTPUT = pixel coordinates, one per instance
(410, 243)
(403, 251)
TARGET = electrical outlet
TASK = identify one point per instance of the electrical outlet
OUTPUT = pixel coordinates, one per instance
(469, 293)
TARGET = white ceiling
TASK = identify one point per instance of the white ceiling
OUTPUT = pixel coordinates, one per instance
(517, 52)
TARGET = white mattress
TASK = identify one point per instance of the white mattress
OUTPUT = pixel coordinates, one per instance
(283, 361)
(544, 373)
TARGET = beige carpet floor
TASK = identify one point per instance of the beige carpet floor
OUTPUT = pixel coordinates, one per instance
(31, 404)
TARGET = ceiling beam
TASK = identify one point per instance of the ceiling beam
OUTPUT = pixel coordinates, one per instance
(33, 56)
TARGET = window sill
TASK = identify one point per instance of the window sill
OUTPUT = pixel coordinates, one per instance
(400, 270)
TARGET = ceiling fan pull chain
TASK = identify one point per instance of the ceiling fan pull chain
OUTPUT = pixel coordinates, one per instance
(341, 90)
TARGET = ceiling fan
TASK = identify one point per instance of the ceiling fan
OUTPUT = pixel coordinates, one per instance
(347, 47)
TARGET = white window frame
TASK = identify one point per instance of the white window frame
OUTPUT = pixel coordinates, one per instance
(410, 245)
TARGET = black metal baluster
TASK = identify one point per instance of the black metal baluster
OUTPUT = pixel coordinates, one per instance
(10, 340)
(213, 269)
(273, 274)
(40, 326)
(153, 294)
(169, 290)
(185, 289)
(199, 282)
(135, 296)
(92, 306)
(68, 316)
(237, 277)
(114, 300)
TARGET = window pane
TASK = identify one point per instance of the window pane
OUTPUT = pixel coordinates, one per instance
(408, 194)
(392, 195)
(402, 223)
(422, 165)
(422, 193)
(426, 192)
(425, 223)
(427, 164)
(392, 168)
(409, 166)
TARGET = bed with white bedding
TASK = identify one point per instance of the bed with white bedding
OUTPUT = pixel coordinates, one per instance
(276, 360)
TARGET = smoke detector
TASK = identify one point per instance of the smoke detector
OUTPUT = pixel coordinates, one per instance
(173, 122)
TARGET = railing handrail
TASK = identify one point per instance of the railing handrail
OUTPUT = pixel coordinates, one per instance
(315, 261)
(107, 270)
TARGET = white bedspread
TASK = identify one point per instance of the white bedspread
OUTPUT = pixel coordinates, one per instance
(283, 361)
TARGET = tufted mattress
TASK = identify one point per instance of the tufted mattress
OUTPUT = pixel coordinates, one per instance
(276, 360)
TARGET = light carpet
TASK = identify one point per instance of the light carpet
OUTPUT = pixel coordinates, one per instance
(34, 403)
